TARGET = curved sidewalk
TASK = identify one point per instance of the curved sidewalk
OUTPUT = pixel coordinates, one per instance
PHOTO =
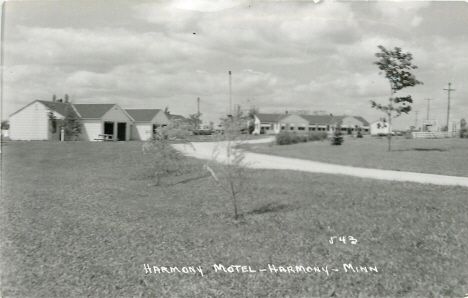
(263, 161)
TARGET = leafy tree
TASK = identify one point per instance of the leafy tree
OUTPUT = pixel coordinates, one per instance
(337, 139)
(71, 124)
(252, 112)
(54, 98)
(165, 160)
(396, 66)
(66, 98)
(195, 121)
(53, 120)
(463, 129)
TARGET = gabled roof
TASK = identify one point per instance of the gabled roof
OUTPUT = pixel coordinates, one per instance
(322, 119)
(59, 107)
(313, 119)
(176, 117)
(93, 111)
(270, 117)
(142, 115)
(362, 120)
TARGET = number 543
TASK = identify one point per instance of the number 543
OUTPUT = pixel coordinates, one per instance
(351, 239)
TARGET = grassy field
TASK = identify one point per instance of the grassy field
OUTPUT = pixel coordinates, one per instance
(434, 156)
(81, 220)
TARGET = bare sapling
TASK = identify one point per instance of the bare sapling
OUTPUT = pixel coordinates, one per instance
(165, 159)
(228, 166)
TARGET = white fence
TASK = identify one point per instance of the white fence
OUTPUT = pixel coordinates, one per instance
(431, 135)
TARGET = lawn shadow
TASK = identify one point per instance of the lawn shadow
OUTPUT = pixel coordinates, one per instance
(271, 207)
(423, 149)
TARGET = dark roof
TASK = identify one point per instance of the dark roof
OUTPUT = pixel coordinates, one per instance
(59, 107)
(270, 117)
(142, 115)
(362, 120)
(322, 119)
(175, 117)
(93, 111)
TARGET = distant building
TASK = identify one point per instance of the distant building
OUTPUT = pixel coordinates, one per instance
(146, 121)
(380, 128)
(32, 122)
(275, 123)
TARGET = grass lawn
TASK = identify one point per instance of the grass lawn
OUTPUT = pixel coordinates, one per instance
(434, 156)
(80, 220)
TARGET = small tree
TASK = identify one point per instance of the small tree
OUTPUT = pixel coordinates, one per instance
(337, 139)
(396, 65)
(53, 121)
(230, 177)
(164, 158)
(195, 121)
(252, 112)
(71, 124)
(359, 133)
(463, 129)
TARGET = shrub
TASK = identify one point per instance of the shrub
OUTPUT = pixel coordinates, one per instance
(283, 138)
(359, 134)
(317, 136)
(337, 139)
(464, 133)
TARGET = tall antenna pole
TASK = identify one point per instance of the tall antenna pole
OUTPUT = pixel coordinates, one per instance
(428, 99)
(416, 120)
(448, 107)
(198, 113)
(230, 94)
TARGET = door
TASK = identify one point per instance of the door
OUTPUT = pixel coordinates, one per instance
(121, 131)
(109, 128)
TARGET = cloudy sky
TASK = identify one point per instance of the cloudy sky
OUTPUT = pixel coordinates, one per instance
(283, 55)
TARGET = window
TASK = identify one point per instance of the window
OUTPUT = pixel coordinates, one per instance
(301, 128)
(291, 128)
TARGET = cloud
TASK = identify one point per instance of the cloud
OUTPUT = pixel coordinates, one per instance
(283, 55)
(203, 5)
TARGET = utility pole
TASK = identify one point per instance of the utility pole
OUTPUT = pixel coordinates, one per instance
(198, 113)
(428, 99)
(416, 121)
(230, 94)
(448, 107)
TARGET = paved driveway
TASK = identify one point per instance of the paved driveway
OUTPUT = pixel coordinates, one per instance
(262, 161)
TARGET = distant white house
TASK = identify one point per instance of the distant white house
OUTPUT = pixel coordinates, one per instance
(146, 121)
(275, 123)
(33, 123)
(108, 119)
(380, 128)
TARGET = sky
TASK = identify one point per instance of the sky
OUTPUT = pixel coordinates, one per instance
(284, 56)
